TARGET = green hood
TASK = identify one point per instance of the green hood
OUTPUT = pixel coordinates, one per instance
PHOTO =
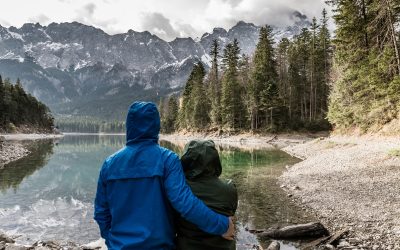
(201, 159)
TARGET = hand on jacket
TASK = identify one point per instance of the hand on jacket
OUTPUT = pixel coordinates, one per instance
(230, 234)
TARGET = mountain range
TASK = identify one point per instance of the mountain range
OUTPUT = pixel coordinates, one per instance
(81, 70)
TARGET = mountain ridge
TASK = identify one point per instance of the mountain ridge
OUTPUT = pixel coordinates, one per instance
(67, 64)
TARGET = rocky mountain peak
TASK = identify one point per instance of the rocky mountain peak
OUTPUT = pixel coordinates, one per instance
(78, 63)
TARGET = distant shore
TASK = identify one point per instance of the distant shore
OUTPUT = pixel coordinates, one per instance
(30, 137)
(247, 140)
(350, 183)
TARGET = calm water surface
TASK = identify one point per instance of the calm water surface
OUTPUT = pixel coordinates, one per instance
(49, 194)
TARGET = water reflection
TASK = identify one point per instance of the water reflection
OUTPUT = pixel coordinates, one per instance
(49, 194)
(14, 173)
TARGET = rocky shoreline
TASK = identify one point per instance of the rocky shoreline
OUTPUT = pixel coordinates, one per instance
(11, 151)
(8, 243)
(12, 146)
(350, 183)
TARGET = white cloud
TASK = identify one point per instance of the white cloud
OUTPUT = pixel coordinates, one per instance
(181, 17)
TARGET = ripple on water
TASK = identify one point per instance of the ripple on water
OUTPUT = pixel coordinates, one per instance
(64, 218)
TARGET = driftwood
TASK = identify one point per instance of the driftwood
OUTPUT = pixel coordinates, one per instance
(326, 240)
(310, 230)
(274, 246)
(337, 236)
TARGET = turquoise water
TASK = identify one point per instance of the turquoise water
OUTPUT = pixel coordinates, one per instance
(49, 194)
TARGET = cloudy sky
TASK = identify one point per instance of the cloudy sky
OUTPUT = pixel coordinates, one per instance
(165, 18)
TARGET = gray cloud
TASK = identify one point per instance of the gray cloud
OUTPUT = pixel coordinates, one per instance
(186, 30)
(90, 8)
(234, 3)
(4, 23)
(261, 12)
(159, 25)
(86, 15)
(42, 19)
(167, 19)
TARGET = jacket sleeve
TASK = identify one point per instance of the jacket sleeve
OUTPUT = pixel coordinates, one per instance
(187, 204)
(102, 213)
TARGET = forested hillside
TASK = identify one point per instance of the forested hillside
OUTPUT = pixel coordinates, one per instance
(281, 87)
(22, 112)
(366, 87)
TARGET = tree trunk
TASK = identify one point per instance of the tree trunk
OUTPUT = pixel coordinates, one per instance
(393, 35)
(364, 13)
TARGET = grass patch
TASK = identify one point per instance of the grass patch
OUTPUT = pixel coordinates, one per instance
(395, 152)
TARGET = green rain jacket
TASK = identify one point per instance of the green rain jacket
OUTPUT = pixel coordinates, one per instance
(202, 168)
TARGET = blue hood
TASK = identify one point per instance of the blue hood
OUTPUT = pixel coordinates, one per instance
(142, 122)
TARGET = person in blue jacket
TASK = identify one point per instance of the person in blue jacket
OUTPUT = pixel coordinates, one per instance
(140, 186)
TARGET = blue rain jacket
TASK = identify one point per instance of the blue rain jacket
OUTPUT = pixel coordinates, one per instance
(140, 185)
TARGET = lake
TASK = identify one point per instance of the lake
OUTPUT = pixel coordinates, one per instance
(49, 194)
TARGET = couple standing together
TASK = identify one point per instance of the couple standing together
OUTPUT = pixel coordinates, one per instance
(148, 198)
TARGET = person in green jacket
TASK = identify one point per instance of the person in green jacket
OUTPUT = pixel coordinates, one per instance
(202, 168)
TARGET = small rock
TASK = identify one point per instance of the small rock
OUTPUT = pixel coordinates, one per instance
(354, 240)
(343, 243)
(329, 247)
(15, 247)
(6, 239)
(274, 246)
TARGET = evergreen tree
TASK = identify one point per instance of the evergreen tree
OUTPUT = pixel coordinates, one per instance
(201, 106)
(283, 67)
(194, 112)
(365, 93)
(265, 81)
(233, 111)
(186, 108)
(161, 110)
(214, 85)
(245, 85)
(2, 103)
(324, 63)
(172, 115)
(19, 109)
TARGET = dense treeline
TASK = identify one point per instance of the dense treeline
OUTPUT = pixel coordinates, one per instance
(21, 111)
(283, 86)
(86, 124)
(366, 91)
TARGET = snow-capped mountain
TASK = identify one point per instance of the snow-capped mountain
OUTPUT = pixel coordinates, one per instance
(73, 67)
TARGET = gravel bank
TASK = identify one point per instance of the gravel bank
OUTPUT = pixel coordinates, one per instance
(350, 183)
(11, 151)
(12, 147)
(8, 243)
